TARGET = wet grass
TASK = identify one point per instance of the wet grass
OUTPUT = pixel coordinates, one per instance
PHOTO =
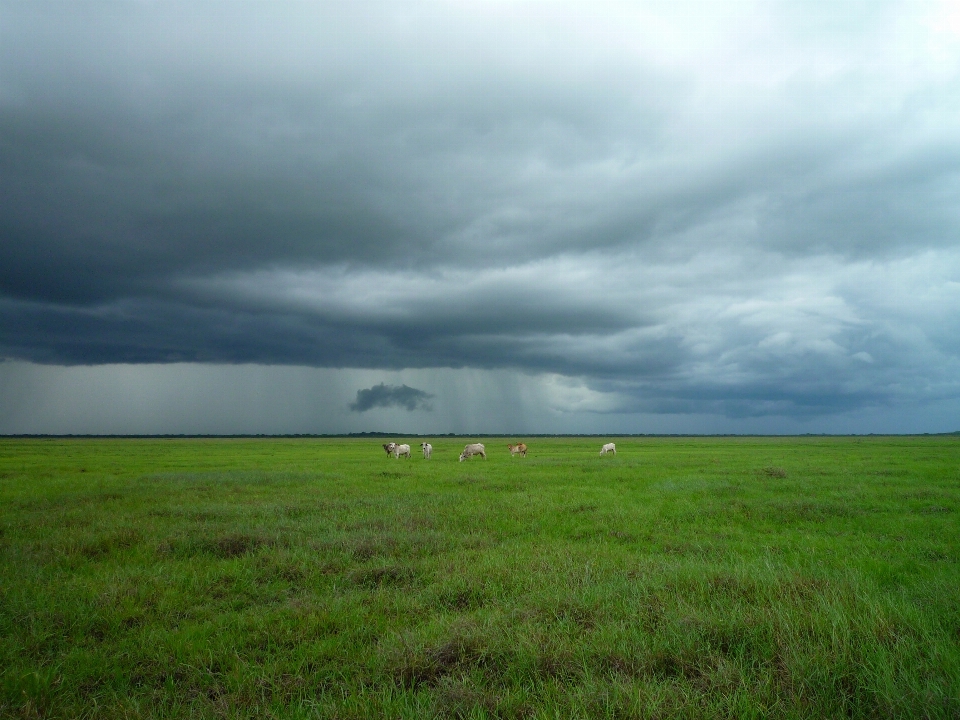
(761, 577)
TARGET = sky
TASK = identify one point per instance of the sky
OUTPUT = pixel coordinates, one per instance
(500, 217)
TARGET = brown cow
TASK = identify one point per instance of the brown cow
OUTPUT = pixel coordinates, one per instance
(519, 449)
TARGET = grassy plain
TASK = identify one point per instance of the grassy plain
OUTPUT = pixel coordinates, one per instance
(707, 577)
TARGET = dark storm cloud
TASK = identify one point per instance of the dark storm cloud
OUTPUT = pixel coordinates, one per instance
(385, 396)
(698, 208)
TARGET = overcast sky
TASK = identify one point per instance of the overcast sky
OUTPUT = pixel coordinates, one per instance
(479, 217)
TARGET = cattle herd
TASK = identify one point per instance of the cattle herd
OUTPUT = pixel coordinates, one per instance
(472, 449)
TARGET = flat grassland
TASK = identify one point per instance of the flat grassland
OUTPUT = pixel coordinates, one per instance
(685, 577)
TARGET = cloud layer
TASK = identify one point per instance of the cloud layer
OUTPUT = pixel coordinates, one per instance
(736, 209)
(385, 396)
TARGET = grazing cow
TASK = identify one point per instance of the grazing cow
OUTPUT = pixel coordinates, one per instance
(519, 449)
(401, 450)
(608, 448)
(427, 450)
(473, 449)
(390, 448)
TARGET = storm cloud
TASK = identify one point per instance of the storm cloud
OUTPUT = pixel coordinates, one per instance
(735, 209)
(385, 396)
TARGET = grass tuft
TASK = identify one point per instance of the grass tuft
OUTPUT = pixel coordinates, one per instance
(374, 577)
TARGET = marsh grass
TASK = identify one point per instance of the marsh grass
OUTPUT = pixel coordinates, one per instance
(801, 577)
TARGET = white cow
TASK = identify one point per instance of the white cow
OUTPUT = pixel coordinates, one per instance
(427, 450)
(401, 450)
(473, 449)
(390, 448)
(608, 448)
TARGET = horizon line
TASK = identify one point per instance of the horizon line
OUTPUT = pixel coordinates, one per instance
(378, 434)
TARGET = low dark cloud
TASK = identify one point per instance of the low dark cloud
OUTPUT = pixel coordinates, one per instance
(741, 216)
(386, 396)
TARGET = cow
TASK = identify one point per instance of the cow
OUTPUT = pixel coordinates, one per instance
(473, 449)
(401, 450)
(390, 447)
(608, 448)
(427, 450)
(519, 449)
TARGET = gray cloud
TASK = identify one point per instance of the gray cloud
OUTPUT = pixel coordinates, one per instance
(746, 211)
(385, 396)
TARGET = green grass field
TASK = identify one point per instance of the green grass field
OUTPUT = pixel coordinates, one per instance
(707, 577)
